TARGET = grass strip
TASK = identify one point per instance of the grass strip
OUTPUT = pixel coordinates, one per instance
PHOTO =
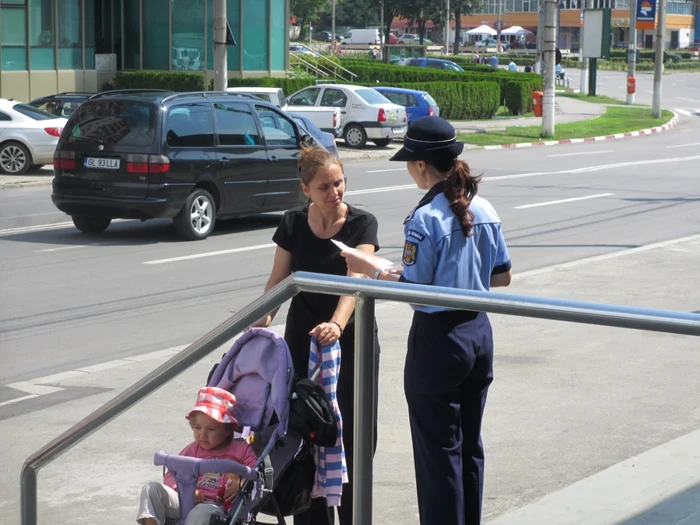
(614, 120)
(597, 99)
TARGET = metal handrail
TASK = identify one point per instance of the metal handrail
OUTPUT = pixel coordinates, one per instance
(338, 66)
(308, 65)
(366, 292)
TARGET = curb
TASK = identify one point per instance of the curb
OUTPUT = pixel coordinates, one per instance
(651, 131)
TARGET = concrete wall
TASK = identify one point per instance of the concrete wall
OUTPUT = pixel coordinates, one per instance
(28, 85)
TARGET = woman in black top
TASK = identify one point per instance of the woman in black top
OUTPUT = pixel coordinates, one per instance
(304, 244)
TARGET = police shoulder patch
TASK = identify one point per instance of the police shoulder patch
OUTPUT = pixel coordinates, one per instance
(410, 252)
(414, 233)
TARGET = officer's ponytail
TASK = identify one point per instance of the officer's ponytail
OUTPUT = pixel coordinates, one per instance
(460, 189)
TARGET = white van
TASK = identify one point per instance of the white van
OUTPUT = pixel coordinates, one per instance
(362, 36)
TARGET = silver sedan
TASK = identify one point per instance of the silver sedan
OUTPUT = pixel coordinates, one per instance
(28, 136)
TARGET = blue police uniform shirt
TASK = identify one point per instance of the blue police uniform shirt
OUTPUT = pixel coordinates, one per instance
(437, 252)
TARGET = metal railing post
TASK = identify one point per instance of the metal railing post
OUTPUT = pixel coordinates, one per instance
(29, 497)
(364, 410)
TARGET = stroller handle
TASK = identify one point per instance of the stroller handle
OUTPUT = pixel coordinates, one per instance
(196, 465)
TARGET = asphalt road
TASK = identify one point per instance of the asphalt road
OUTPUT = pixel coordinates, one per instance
(679, 91)
(73, 300)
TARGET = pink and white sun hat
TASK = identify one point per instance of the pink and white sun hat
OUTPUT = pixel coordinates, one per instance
(216, 403)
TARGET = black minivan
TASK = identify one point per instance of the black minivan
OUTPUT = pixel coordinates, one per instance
(193, 157)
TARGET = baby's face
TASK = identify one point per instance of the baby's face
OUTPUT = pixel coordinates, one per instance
(208, 433)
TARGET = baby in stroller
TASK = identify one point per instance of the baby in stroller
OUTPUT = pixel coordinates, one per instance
(274, 474)
(213, 425)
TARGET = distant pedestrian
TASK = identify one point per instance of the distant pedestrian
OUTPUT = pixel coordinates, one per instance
(494, 61)
(512, 66)
(476, 58)
(528, 68)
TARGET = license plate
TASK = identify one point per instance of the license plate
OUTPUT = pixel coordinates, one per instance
(398, 130)
(105, 164)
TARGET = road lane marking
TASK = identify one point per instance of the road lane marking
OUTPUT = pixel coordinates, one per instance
(212, 254)
(382, 171)
(684, 145)
(582, 153)
(683, 112)
(62, 248)
(381, 190)
(561, 201)
(13, 231)
(691, 99)
(31, 215)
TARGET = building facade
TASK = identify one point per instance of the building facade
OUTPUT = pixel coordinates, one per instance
(680, 21)
(50, 46)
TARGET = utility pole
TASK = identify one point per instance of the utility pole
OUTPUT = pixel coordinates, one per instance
(381, 23)
(632, 48)
(447, 27)
(220, 59)
(498, 29)
(550, 53)
(333, 28)
(659, 62)
(583, 87)
(540, 38)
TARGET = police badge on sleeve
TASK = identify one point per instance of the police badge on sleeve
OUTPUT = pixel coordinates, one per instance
(410, 251)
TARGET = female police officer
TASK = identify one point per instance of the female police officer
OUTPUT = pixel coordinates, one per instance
(452, 238)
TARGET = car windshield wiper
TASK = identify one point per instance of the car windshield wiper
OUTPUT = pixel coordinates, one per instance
(87, 139)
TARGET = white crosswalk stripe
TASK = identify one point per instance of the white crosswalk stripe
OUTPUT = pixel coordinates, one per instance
(688, 112)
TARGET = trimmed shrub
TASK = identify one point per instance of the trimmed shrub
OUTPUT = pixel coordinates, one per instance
(172, 80)
(519, 97)
(462, 100)
(288, 85)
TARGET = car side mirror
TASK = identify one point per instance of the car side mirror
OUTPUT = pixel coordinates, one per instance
(308, 140)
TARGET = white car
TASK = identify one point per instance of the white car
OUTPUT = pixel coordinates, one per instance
(365, 114)
(28, 136)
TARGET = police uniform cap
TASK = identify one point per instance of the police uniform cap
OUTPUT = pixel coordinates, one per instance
(429, 138)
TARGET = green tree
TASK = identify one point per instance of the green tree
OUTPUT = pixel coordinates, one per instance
(462, 7)
(357, 12)
(306, 11)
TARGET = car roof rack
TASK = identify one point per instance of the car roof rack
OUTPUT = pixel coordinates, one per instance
(117, 92)
(205, 94)
(321, 81)
(75, 93)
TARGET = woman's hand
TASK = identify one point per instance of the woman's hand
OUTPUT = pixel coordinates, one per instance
(326, 333)
(360, 262)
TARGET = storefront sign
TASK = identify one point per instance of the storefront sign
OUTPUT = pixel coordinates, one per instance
(646, 14)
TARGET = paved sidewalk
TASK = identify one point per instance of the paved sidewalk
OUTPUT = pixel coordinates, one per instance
(567, 110)
(584, 425)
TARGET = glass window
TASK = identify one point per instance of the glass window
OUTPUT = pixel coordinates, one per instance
(13, 38)
(396, 98)
(306, 97)
(278, 24)
(33, 113)
(255, 35)
(132, 45)
(190, 126)
(278, 131)
(188, 34)
(235, 125)
(89, 34)
(70, 41)
(334, 98)
(113, 122)
(371, 96)
(155, 34)
(68, 108)
(5, 117)
(42, 37)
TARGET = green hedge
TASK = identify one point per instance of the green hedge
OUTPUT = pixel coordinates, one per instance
(288, 85)
(519, 97)
(172, 80)
(462, 100)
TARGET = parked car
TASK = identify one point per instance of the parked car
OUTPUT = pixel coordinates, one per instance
(328, 119)
(193, 157)
(411, 38)
(366, 114)
(61, 104)
(490, 42)
(435, 63)
(327, 140)
(28, 136)
(417, 103)
(362, 36)
(325, 36)
(302, 49)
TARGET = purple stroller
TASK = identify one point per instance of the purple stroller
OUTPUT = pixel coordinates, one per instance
(258, 370)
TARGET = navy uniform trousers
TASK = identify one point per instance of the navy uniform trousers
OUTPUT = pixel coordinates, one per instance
(449, 367)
